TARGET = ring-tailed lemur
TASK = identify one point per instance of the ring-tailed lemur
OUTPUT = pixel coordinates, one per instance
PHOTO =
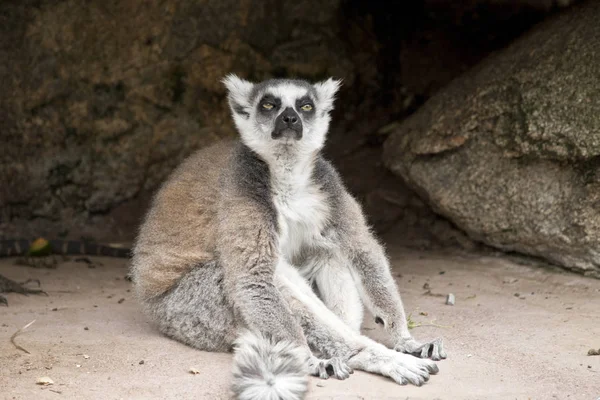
(261, 236)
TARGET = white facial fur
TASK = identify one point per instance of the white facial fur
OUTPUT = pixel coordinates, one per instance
(301, 205)
(255, 129)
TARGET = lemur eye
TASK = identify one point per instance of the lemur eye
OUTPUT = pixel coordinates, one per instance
(306, 107)
(268, 106)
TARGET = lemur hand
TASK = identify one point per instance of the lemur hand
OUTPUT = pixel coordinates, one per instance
(433, 349)
(333, 366)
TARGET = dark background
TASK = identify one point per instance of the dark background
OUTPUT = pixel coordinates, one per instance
(102, 99)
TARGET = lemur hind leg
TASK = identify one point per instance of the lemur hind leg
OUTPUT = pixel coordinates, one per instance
(328, 335)
(339, 292)
(196, 311)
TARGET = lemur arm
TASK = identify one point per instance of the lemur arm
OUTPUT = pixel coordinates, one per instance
(378, 288)
(247, 248)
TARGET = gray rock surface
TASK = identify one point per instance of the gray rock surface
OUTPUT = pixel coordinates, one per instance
(510, 152)
(100, 100)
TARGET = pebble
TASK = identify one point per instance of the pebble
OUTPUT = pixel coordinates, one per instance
(450, 299)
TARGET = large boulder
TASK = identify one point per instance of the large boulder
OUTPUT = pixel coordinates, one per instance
(100, 100)
(510, 151)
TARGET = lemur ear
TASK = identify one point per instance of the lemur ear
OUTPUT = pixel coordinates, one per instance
(238, 94)
(326, 91)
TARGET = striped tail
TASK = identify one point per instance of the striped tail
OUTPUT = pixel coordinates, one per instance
(263, 369)
(20, 247)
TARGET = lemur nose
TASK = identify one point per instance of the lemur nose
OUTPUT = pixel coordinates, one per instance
(290, 119)
(288, 124)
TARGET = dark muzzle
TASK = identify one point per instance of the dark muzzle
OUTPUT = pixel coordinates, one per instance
(288, 125)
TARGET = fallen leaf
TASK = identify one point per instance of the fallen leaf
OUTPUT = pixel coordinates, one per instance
(44, 380)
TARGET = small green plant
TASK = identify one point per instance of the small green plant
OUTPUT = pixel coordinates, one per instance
(412, 324)
(39, 247)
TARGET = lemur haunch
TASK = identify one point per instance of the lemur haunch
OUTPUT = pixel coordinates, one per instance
(257, 246)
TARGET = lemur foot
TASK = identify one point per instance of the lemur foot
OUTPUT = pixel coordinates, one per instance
(333, 366)
(8, 285)
(433, 349)
(402, 368)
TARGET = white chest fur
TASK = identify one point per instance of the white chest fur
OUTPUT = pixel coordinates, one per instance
(302, 210)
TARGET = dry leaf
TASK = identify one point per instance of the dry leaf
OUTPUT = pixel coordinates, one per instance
(44, 380)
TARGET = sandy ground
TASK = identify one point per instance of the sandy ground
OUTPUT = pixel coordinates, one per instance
(90, 338)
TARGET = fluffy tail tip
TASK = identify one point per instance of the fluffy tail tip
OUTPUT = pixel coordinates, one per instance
(268, 370)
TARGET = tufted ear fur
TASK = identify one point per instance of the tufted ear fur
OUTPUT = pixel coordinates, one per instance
(238, 95)
(326, 91)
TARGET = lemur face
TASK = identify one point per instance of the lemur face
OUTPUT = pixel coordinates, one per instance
(281, 114)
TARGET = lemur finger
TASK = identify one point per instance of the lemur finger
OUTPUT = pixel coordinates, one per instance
(318, 368)
(413, 378)
(425, 351)
(341, 371)
(322, 368)
(432, 367)
(398, 377)
(438, 350)
(442, 353)
(420, 370)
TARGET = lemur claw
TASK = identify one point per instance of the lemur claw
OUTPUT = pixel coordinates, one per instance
(333, 366)
(433, 349)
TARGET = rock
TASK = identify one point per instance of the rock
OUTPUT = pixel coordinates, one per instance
(100, 101)
(510, 151)
(450, 299)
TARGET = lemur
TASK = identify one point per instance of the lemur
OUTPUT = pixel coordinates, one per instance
(256, 246)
